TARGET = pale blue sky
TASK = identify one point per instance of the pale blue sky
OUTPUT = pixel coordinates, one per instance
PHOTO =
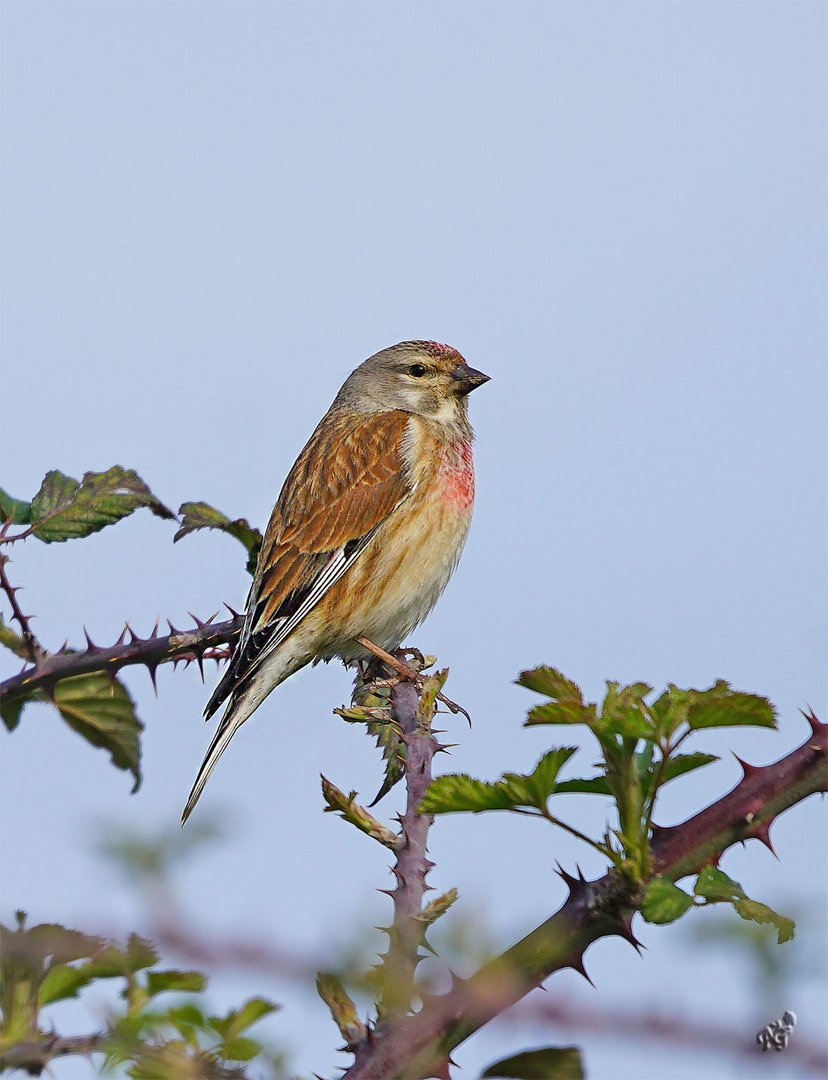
(212, 212)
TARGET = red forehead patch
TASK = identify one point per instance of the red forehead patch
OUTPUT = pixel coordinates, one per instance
(435, 348)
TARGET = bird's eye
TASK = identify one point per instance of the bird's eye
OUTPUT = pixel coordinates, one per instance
(417, 370)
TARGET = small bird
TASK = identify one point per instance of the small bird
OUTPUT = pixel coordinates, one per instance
(367, 530)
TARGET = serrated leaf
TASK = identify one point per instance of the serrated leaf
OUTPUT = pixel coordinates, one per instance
(181, 981)
(18, 511)
(64, 509)
(721, 706)
(753, 911)
(200, 515)
(549, 1063)
(535, 788)
(101, 710)
(664, 902)
(12, 640)
(624, 713)
(560, 712)
(590, 785)
(552, 683)
(458, 792)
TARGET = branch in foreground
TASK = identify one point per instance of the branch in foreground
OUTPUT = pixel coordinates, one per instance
(150, 652)
(33, 1057)
(417, 1046)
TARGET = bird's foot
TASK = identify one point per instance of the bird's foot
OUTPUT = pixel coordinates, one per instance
(408, 672)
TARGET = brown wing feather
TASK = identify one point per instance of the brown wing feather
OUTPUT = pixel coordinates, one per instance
(349, 477)
(347, 480)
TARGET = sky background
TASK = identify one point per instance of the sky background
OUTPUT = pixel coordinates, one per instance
(211, 214)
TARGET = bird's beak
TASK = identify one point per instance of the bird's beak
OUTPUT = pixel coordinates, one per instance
(468, 378)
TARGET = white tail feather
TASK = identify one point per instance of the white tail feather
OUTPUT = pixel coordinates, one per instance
(235, 714)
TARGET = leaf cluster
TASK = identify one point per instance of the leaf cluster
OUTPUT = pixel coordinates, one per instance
(44, 964)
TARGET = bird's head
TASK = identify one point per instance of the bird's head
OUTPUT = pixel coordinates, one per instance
(421, 377)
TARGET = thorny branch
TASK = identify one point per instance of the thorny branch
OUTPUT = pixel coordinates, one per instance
(179, 645)
(33, 647)
(412, 866)
(33, 1057)
(419, 1045)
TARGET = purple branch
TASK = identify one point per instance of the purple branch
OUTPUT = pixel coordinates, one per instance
(419, 1045)
(406, 933)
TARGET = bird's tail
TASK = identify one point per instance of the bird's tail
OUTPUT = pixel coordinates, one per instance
(240, 706)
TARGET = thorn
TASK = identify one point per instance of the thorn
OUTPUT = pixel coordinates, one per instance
(761, 831)
(91, 646)
(816, 726)
(133, 637)
(122, 636)
(625, 931)
(64, 648)
(578, 886)
(173, 630)
(154, 633)
(748, 770)
(152, 668)
(232, 611)
(199, 623)
(578, 965)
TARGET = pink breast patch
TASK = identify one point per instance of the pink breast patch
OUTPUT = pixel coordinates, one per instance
(456, 477)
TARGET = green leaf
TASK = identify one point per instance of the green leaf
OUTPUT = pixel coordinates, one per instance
(64, 509)
(456, 792)
(11, 640)
(238, 1020)
(181, 981)
(240, 1049)
(550, 1063)
(101, 710)
(63, 981)
(10, 712)
(714, 884)
(720, 706)
(623, 711)
(552, 683)
(590, 785)
(459, 792)
(561, 712)
(535, 788)
(664, 902)
(17, 510)
(680, 764)
(200, 515)
(753, 911)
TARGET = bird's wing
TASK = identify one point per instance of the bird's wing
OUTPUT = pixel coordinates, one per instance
(349, 478)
